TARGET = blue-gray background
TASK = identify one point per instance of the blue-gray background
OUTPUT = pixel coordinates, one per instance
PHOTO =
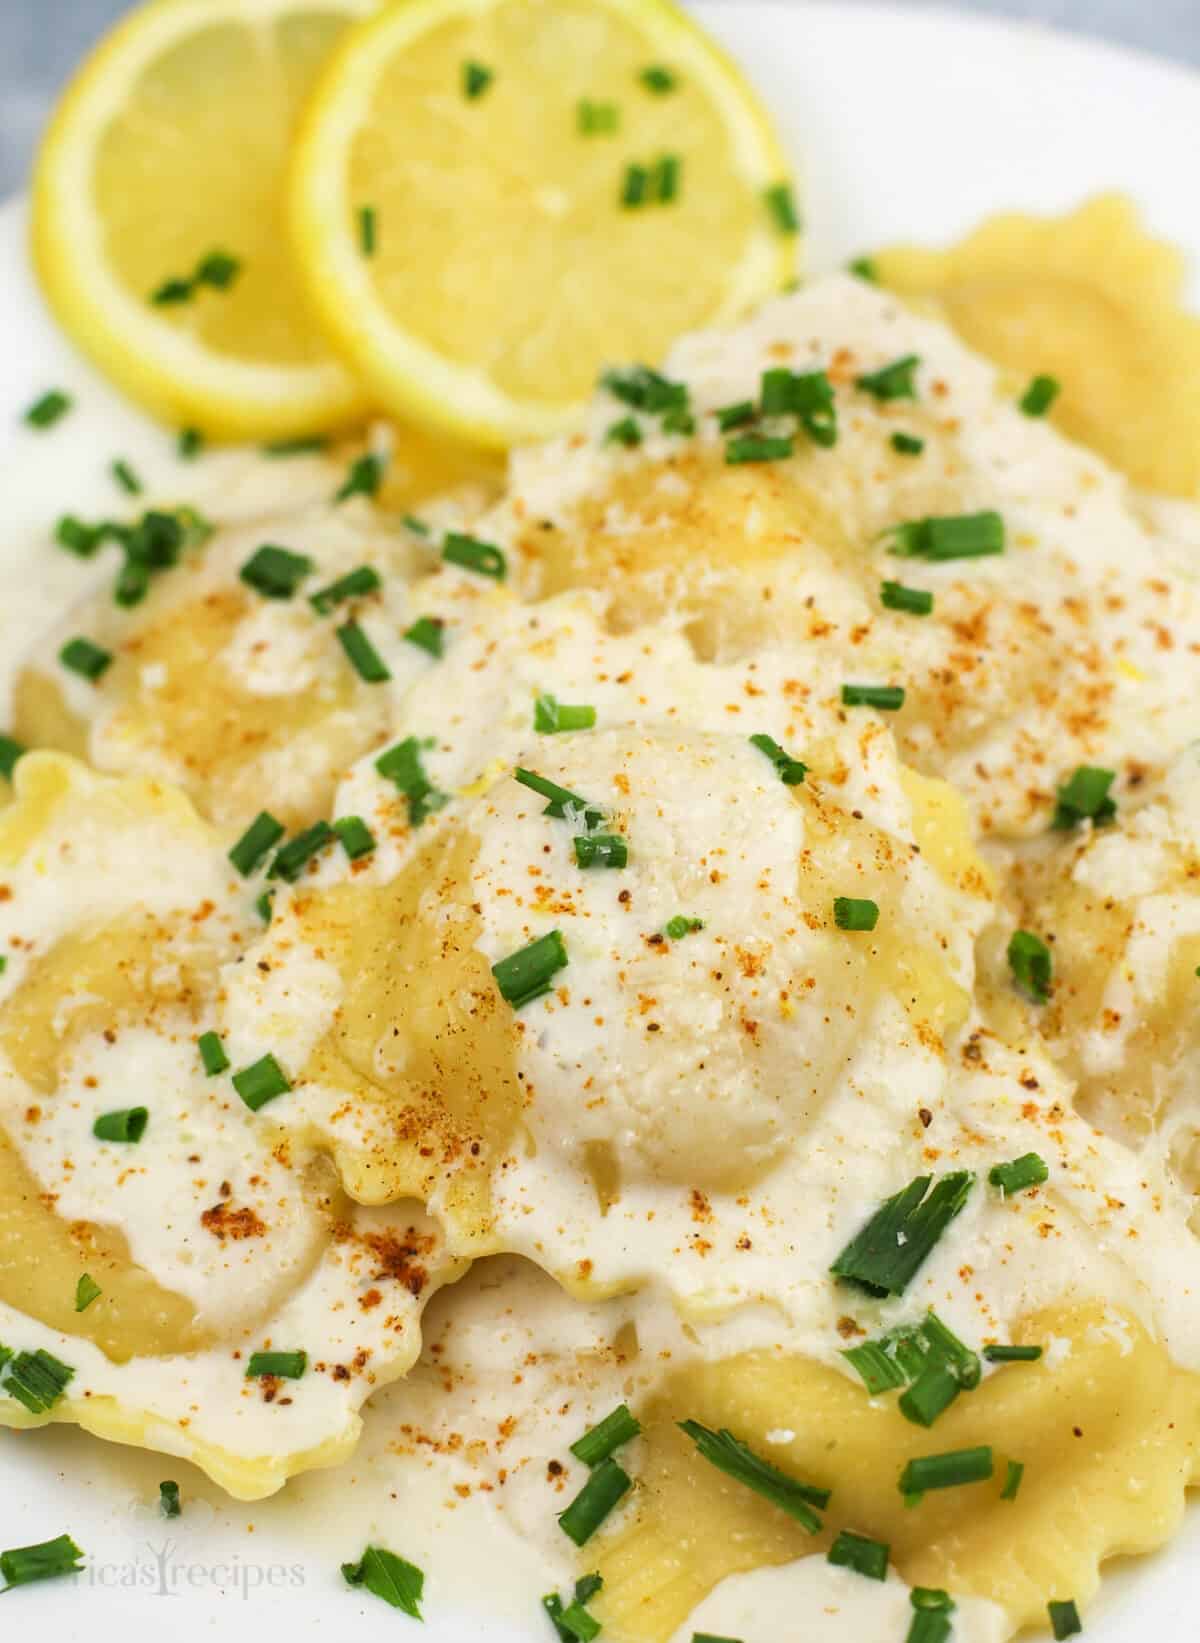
(41, 40)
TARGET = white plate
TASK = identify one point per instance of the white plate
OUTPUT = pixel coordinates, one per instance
(907, 125)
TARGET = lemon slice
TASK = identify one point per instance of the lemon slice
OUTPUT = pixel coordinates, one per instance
(170, 145)
(457, 202)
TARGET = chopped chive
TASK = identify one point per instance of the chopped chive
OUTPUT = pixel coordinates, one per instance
(782, 206)
(387, 1576)
(132, 584)
(87, 1290)
(948, 1471)
(930, 1395)
(807, 395)
(791, 771)
(894, 381)
(364, 478)
(301, 445)
(36, 1379)
(10, 751)
(601, 850)
(48, 410)
(931, 1600)
(3, 963)
(22, 1565)
(679, 926)
(587, 1586)
(929, 1626)
(428, 633)
(171, 291)
(188, 444)
(1064, 1619)
(275, 572)
(475, 79)
(885, 1255)
(417, 526)
(212, 1054)
(951, 536)
(903, 1355)
(286, 1365)
(562, 801)
(80, 539)
(864, 268)
(1085, 798)
(866, 1557)
(711, 1637)
(1040, 395)
(758, 448)
(658, 79)
(263, 834)
(601, 1440)
(356, 584)
(1032, 965)
(678, 422)
(168, 1499)
(357, 839)
(729, 1455)
(853, 913)
(218, 269)
(625, 431)
(1012, 1479)
(736, 415)
(368, 230)
(550, 717)
(83, 657)
(264, 905)
(291, 860)
(598, 1497)
(261, 1082)
(664, 180)
(577, 1624)
(126, 1124)
(362, 655)
(914, 601)
(126, 478)
(646, 390)
(907, 444)
(401, 765)
(596, 119)
(1029, 1170)
(880, 1372)
(1012, 1354)
(482, 557)
(525, 974)
(887, 698)
(634, 187)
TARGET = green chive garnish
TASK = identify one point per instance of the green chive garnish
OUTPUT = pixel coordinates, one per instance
(428, 633)
(525, 974)
(1029, 1170)
(212, 1054)
(952, 536)
(386, 1576)
(930, 1395)
(664, 180)
(168, 1499)
(295, 855)
(79, 538)
(551, 717)
(599, 1495)
(263, 834)
(22, 1565)
(852, 913)
(623, 432)
(261, 1082)
(87, 1290)
(857, 1552)
(758, 448)
(1040, 395)
(887, 698)
(1032, 965)
(83, 657)
(357, 838)
(903, 1355)
(218, 269)
(886, 1254)
(658, 79)
(36, 1379)
(188, 444)
(948, 1471)
(482, 557)
(607, 1436)
(601, 850)
(171, 291)
(475, 80)
(362, 655)
(264, 904)
(907, 444)
(368, 230)
(1012, 1354)
(356, 584)
(894, 381)
(10, 751)
(782, 206)
(736, 415)
(932, 1600)
(729, 1455)
(127, 1124)
(914, 601)
(126, 478)
(1064, 1619)
(791, 771)
(48, 410)
(364, 478)
(807, 395)
(288, 1366)
(864, 268)
(573, 1623)
(275, 572)
(679, 926)
(1012, 1480)
(1085, 798)
(596, 119)
(634, 187)
(401, 765)
(646, 390)
(562, 800)
(301, 445)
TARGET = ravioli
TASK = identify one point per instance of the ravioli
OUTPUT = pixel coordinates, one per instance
(208, 1235)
